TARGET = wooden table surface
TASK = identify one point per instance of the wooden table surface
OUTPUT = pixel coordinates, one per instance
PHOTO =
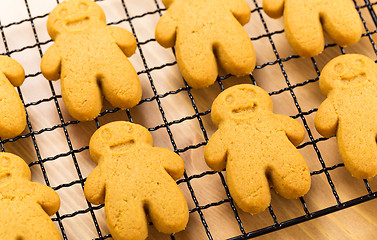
(179, 120)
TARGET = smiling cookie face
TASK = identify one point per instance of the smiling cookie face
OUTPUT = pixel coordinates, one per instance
(240, 102)
(74, 16)
(117, 138)
(347, 71)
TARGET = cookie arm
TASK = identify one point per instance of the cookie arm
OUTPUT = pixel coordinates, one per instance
(273, 8)
(326, 119)
(240, 10)
(48, 199)
(171, 161)
(293, 129)
(166, 30)
(51, 63)
(94, 188)
(215, 152)
(12, 70)
(124, 39)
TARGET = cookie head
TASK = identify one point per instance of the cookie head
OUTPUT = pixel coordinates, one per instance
(240, 102)
(74, 16)
(347, 71)
(12, 166)
(118, 138)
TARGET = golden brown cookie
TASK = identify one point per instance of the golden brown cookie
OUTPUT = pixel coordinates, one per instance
(257, 147)
(25, 206)
(206, 31)
(12, 112)
(350, 111)
(133, 178)
(305, 21)
(91, 59)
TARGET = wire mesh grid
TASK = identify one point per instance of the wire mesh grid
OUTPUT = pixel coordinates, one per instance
(56, 146)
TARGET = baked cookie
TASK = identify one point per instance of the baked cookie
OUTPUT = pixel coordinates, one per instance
(12, 112)
(25, 205)
(350, 111)
(257, 147)
(305, 21)
(133, 178)
(206, 31)
(91, 59)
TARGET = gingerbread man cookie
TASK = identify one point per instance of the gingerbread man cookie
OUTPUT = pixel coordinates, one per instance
(305, 21)
(25, 206)
(91, 59)
(257, 147)
(206, 31)
(350, 111)
(133, 178)
(12, 112)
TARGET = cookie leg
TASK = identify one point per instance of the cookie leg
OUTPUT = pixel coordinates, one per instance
(303, 28)
(167, 208)
(81, 95)
(343, 25)
(196, 61)
(235, 51)
(249, 188)
(120, 84)
(358, 152)
(289, 173)
(126, 219)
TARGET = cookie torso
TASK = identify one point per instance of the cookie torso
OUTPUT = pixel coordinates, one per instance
(141, 183)
(89, 52)
(13, 120)
(206, 30)
(351, 106)
(306, 20)
(357, 129)
(258, 148)
(12, 112)
(203, 19)
(22, 216)
(25, 206)
(140, 177)
(340, 21)
(259, 139)
(93, 55)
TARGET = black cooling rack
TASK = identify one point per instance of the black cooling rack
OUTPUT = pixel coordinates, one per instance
(366, 6)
